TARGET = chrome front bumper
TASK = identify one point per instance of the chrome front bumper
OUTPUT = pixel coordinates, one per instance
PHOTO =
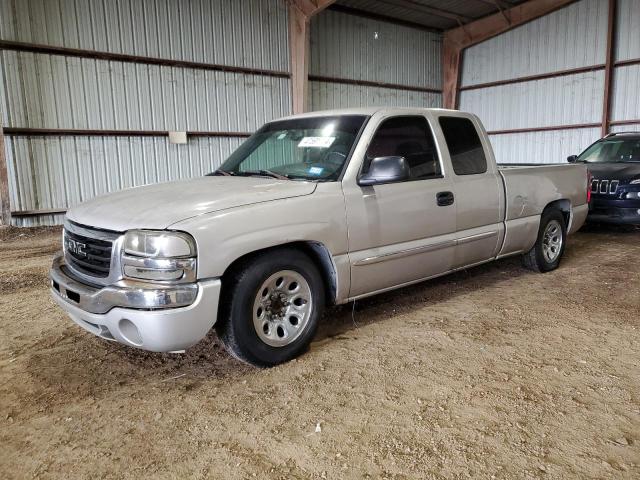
(126, 294)
(149, 316)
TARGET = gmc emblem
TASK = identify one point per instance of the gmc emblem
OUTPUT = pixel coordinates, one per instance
(76, 248)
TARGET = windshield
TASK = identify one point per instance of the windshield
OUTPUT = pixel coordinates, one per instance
(314, 148)
(612, 150)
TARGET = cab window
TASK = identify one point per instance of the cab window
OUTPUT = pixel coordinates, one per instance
(465, 147)
(409, 137)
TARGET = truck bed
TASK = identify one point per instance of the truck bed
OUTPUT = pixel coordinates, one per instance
(530, 188)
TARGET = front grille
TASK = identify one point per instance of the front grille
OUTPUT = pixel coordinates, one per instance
(604, 187)
(88, 255)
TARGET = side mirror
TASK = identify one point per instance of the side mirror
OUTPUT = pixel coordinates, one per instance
(572, 158)
(386, 170)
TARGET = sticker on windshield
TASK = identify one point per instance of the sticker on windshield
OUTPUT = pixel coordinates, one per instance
(316, 170)
(317, 142)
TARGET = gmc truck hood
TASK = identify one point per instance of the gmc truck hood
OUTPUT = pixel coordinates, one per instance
(161, 205)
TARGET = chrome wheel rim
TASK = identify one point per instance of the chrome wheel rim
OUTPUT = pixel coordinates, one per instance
(282, 308)
(552, 241)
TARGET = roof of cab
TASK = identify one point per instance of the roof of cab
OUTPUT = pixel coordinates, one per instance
(361, 111)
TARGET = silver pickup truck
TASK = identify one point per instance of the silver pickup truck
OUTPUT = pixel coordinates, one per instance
(314, 209)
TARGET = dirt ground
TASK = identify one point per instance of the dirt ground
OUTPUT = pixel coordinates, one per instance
(496, 372)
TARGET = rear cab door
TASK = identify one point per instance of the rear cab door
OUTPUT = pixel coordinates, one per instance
(399, 232)
(479, 196)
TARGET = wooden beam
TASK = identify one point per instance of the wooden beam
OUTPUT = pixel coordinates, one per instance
(35, 213)
(609, 67)
(369, 83)
(5, 208)
(300, 13)
(460, 38)
(530, 78)
(76, 132)
(451, 58)
(137, 59)
(573, 126)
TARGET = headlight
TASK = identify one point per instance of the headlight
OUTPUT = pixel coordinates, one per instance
(632, 195)
(147, 243)
(635, 182)
(159, 256)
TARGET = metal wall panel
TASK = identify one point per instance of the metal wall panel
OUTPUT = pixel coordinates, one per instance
(574, 36)
(329, 95)
(628, 30)
(249, 33)
(542, 147)
(625, 128)
(357, 48)
(625, 100)
(570, 99)
(62, 171)
(52, 91)
(347, 46)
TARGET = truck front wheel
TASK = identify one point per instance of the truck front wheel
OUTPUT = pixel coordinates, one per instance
(272, 306)
(549, 247)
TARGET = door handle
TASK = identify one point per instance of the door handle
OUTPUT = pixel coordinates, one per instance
(444, 198)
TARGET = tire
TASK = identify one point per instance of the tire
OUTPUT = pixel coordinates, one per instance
(543, 257)
(267, 330)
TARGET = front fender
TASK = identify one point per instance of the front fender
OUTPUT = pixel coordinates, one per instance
(223, 237)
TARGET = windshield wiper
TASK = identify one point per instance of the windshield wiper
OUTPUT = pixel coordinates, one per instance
(220, 172)
(264, 173)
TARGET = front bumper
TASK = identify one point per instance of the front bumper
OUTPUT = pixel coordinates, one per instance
(615, 209)
(160, 318)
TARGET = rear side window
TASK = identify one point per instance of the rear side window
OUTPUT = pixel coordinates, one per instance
(465, 148)
(409, 137)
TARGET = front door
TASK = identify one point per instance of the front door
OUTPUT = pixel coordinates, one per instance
(401, 232)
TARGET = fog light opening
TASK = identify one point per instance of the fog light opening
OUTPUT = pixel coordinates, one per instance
(130, 332)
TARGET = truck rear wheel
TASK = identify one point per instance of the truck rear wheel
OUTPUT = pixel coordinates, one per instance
(549, 247)
(272, 306)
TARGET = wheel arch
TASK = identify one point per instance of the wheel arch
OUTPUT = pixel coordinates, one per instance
(564, 205)
(316, 251)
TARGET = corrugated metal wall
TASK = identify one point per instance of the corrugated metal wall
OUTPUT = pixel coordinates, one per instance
(60, 92)
(625, 100)
(350, 47)
(573, 37)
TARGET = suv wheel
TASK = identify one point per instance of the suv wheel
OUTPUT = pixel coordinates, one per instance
(272, 307)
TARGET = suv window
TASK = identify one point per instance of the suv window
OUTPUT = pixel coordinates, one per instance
(409, 137)
(465, 148)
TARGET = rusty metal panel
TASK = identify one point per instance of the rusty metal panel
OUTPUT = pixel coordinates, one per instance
(330, 95)
(571, 99)
(59, 172)
(542, 147)
(572, 37)
(627, 41)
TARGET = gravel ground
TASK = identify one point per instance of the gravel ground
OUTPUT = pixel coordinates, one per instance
(496, 372)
